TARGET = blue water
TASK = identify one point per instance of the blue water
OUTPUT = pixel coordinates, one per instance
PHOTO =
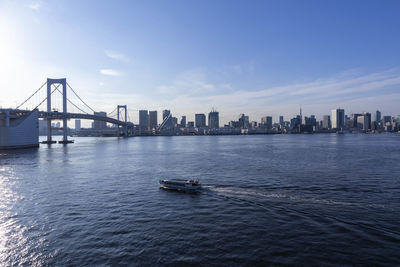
(270, 199)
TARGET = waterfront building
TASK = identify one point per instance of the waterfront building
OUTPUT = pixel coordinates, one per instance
(337, 118)
(213, 119)
(190, 124)
(387, 119)
(175, 121)
(183, 122)
(243, 121)
(153, 119)
(326, 122)
(267, 122)
(364, 121)
(281, 120)
(377, 116)
(200, 120)
(165, 113)
(99, 125)
(144, 120)
(77, 124)
(355, 119)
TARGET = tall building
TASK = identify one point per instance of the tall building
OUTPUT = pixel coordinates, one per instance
(165, 113)
(281, 121)
(326, 122)
(243, 121)
(337, 118)
(144, 120)
(77, 124)
(200, 120)
(267, 122)
(213, 119)
(365, 121)
(183, 121)
(153, 119)
(98, 125)
(377, 116)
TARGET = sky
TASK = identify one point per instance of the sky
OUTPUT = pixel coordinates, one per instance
(260, 58)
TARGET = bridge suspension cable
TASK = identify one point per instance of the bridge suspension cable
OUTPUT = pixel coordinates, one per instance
(72, 102)
(56, 88)
(32, 95)
(80, 98)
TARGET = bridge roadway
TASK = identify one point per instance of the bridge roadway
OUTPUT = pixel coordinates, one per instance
(60, 115)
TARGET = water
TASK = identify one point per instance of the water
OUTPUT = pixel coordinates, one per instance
(270, 199)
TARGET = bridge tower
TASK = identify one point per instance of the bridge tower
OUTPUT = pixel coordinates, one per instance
(63, 82)
(119, 107)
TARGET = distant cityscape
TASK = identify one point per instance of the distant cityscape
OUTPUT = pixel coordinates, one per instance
(209, 124)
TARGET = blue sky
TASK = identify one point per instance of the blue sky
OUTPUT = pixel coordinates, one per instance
(255, 57)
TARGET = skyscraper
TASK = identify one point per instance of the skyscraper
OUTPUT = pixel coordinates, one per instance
(183, 121)
(144, 120)
(365, 121)
(165, 113)
(326, 122)
(153, 119)
(337, 118)
(200, 120)
(77, 124)
(267, 122)
(213, 119)
(281, 121)
(377, 116)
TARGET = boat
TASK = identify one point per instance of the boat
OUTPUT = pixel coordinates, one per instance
(180, 185)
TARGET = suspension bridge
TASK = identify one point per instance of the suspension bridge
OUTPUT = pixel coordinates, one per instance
(70, 101)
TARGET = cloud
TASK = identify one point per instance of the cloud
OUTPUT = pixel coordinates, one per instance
(110, 72)
(35, 6)
(117, 56)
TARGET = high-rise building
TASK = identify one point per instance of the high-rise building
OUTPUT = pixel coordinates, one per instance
(153, 119)
(77, 124)
(200, 120)
(337, 118)
(281, 121)
(190, 124)
(377, 116)
(144, 120)
(165, 113)
(183, 122)
(243, 121)
(326, 122)
(267, 122)
(98, 125)
(213, 119)
(365, 121)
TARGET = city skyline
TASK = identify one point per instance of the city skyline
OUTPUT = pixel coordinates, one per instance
(284, 56)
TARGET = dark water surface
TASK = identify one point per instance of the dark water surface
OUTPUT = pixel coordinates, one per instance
(276, 199)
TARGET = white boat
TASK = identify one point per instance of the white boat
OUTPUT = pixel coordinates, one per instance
(180, 185)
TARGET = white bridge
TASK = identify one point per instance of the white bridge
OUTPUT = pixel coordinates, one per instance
(125, 127)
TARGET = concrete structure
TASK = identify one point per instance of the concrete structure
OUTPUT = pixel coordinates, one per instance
(364, 121)
(77, 124)
(377, 116)
(326, 122)
(267, 122)
(281, 121)
(183, 122)
(200, 120)
(337, 119)
(153, 122)
(19, 130)
(165, 113)
(213, 119)
(144, 122)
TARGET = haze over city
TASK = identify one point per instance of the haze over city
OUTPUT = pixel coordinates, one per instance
(262, 58)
